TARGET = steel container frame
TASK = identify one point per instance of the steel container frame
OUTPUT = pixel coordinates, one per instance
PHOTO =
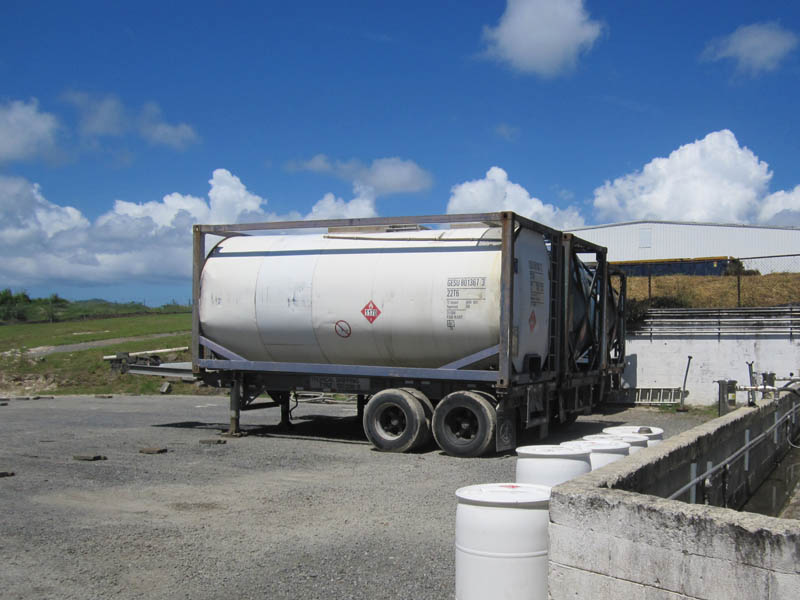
(550, 390)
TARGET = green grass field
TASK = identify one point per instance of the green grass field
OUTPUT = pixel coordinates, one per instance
(85, 371)
(32, 335)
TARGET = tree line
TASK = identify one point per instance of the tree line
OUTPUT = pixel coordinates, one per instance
(20, 306)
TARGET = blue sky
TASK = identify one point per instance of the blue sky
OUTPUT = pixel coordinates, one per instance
(122, 124)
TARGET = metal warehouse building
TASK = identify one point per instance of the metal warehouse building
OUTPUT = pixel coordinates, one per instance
(645, 241)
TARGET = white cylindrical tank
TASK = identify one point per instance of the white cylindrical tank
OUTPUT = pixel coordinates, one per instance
(602, 452)
(408, 298)
(501, 541)
(654, 435)
(550, 465)
(637, 442)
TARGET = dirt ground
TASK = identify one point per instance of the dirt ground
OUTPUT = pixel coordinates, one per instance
(310, 513)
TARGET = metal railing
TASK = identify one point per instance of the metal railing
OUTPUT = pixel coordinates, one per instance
(781, 321)
(742, 453)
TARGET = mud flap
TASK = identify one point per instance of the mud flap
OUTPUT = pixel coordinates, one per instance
(506, 431)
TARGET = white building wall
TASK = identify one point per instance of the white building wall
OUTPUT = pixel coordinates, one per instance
(654, 240)
(661, 362)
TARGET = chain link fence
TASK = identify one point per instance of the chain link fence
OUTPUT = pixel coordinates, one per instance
(722, 282)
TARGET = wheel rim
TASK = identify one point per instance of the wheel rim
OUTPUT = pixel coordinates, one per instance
(392, 421)
(461, 425)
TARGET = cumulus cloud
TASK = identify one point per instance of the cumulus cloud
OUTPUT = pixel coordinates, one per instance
(713, 179)
(98, 115)
(331, 207)
(495, 192)
(755, 48)
(150, 241)
(384, 176)
(106, 115)
(25, 131)
(544, 37)
(156, 130)
(781, 208)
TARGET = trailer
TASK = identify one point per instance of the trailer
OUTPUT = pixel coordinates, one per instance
(462, 328)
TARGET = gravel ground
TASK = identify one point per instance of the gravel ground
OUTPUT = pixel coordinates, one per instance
(312, 513)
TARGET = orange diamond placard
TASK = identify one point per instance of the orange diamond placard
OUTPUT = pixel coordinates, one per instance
(532, 321)
(371, 311)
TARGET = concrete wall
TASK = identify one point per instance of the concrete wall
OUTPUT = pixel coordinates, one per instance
(660, 362)
(611, 537)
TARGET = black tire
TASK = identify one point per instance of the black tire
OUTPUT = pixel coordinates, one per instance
(394, 421)
(427, 407)
(464, 424)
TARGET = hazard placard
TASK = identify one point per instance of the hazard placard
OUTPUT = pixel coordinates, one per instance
(371, 311)
(532, 321)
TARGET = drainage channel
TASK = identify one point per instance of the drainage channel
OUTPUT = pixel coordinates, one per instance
(779, 494)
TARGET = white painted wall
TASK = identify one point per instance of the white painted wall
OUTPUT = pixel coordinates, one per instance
(661, 363)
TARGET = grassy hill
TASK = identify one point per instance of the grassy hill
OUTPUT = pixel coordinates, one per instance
(695, 291)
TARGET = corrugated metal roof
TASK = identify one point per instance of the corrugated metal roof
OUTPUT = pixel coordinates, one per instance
(700, 223)
(664, 240)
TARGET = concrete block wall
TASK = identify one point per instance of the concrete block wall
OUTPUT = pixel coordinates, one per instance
(611, 542)
(660, 362)
(662, 473)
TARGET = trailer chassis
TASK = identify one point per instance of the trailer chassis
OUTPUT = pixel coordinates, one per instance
(550, 390)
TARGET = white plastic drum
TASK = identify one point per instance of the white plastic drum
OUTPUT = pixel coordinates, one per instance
(602, 452)
(654, 435)
(550, 465)
(637, 442)
(501, 541)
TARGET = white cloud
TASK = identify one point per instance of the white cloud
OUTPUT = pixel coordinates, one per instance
(495, 192)
(106, 115)
(755, 48)
(25, 132)
(393, 176)
(384, 176)
(506, 131)
(154, 129)
(331, 207)
(26, 214)
(99, 115)
(150, 241)
(781, 208)
(711, 180)
(44, 242)
(319, 163)
(544, 37)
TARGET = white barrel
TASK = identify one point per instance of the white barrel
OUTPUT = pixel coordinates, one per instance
(637, 442)
(602, 452)
(550, 465)
(408, 298)
(501, 541)
(654, 435)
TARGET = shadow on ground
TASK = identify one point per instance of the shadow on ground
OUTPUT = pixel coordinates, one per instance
(349, 430)
(313, 427)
